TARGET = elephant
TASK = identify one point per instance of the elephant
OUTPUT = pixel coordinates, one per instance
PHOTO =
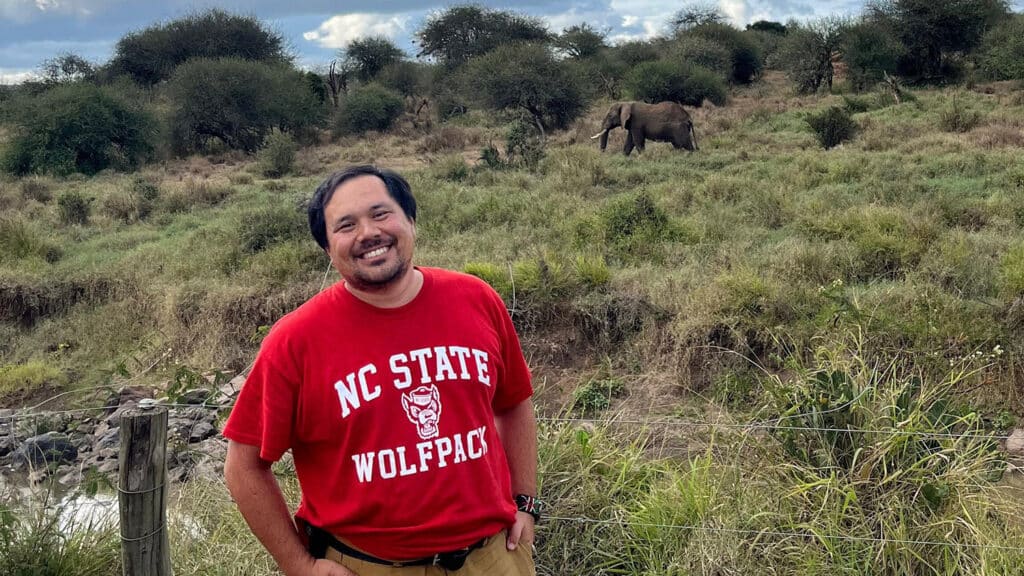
(664, 122)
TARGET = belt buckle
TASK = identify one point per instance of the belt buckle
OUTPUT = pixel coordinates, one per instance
(436, 560)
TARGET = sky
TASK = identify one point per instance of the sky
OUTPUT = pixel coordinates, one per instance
(32, 31)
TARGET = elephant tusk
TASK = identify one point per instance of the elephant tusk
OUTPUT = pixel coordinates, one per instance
(599, 134)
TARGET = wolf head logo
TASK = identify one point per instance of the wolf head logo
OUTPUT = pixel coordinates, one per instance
(423, 408)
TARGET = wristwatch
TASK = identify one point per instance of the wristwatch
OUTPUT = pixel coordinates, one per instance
(529, 504)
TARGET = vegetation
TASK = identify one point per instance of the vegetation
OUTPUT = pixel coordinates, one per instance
(759, 358)
(78, 128)
(212, 100)
(151, 55)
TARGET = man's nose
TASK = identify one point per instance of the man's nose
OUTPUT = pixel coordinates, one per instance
(368, 229)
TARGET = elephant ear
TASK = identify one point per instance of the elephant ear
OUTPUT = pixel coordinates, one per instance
(624, 113)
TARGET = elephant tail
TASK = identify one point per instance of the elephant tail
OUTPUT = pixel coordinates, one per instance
(693, 137)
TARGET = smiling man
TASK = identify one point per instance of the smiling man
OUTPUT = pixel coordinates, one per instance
(405, 399)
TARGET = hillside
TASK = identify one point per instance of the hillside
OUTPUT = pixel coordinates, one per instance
(874, 286)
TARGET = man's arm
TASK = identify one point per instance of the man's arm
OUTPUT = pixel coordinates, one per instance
(517, 429)
(259, 499)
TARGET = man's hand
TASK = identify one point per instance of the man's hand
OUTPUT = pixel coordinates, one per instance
(521, 532)
(323, 567)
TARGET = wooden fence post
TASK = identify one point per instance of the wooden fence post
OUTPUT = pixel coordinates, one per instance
(142, 493)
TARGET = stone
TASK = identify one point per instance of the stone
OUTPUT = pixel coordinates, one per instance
(109, 466)
(201, 431)
(49, 447)
(1015, 443)
(111, 439)
(195, 396)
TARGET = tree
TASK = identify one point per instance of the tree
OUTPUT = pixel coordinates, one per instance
(1002, 51)
(696, 14)
(369, 107)
(933, 31)
(806, 53)
(459, 33)
(581, 41)
(768, 26)
(666, 80)
(526, 77)
(79, 127)
(745, 61)
(66, 67)
(366, 57)
(238, 102)
(870, 52)
(635, 52)
(150, 56)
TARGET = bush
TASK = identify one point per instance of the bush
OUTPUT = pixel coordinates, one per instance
(406, 78)
(19, 240)
(869, 51)
(262, 228)
(73, 207)
(370, 107)
(1002, 52)
(133, 204)
(630, 228)
(277, 156)
(152, 55)
(238, 102)
(523, 145)
(703, 52)
(528, 79)
(955, 117)
(78, 128)
(745, 61)
(833, 126)
(675, 82)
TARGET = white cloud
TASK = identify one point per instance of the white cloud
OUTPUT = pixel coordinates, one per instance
(8, 76)
(735, 10)
(25, 10)
(339, 31)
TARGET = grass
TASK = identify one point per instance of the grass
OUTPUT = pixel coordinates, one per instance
(723, 284)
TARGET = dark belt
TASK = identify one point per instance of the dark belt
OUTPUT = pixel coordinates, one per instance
(320, 540)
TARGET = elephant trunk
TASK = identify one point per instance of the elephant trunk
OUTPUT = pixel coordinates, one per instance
(603, 135)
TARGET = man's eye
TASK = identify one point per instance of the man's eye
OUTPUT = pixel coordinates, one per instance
(380, 215)
(344, 227)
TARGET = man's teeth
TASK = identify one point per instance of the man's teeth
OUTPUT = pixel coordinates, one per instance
(375, 253)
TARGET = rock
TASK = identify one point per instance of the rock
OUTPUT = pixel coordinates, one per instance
(69, 475)
(201, 431)
(47, 448)
(112, 439)
(107, 454)
(1015, 443)
(195, 396)
(38, 476)
(108, 467)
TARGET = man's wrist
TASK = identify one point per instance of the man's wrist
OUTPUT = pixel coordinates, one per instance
(529, 504)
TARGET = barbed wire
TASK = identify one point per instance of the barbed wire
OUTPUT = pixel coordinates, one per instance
(687, 423)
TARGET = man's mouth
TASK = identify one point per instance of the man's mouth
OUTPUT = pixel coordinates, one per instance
(374, 253)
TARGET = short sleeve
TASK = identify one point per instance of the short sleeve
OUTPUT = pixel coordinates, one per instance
(264, 414)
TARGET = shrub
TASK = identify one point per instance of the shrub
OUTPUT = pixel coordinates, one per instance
(596, 394)
(73, 207)
(956, 117)
(703, 52)
(675, 82)
(370, 107)
(36, 189)
(264, 227)
(526, 78)
(745, 60)
(19, 240)
(631, 228)
(869, 51)
(523, 145)
(238, 102)
(1002, 52)
(406, 78)
(277, 156)
(833, 126)
(152, 55)
(27, 377)
(193, 193)
(78, 128)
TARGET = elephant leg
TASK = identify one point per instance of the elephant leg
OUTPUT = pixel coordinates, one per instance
(628, 146)
(639, 139)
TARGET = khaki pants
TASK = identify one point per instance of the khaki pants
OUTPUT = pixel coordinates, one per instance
(493, 559)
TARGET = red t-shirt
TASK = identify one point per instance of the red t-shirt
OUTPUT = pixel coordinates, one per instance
(389, 414)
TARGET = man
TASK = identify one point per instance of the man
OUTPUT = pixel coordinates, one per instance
(404, 397)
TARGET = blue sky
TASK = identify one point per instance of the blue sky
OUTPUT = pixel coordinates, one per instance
(34, 30)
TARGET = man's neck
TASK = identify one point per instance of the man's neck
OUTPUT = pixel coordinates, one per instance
(398, 293)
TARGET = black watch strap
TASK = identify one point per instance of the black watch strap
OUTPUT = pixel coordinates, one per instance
(529, 504)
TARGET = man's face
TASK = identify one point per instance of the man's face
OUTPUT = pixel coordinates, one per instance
(369, 238)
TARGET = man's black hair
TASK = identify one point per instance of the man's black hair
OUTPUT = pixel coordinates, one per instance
(398, 189)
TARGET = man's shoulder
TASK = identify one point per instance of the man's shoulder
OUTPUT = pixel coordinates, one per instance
(307, 317)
